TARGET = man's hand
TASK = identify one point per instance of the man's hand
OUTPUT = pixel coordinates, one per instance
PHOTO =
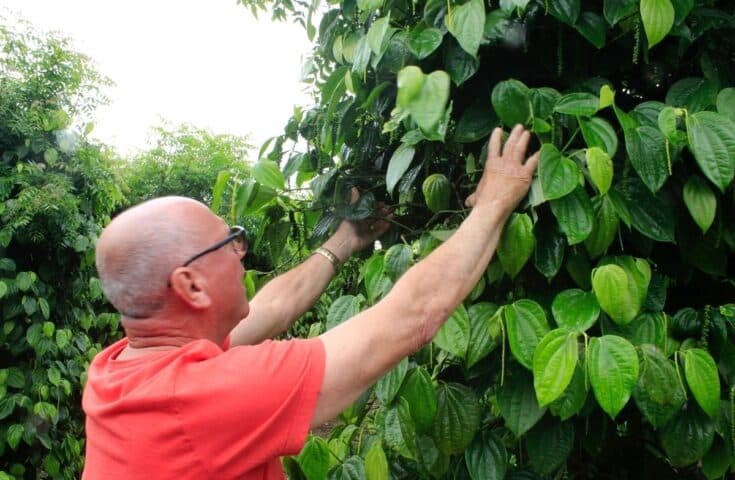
(506, 178)
(352, 237)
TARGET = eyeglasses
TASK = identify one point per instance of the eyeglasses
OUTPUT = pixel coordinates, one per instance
(237, 236)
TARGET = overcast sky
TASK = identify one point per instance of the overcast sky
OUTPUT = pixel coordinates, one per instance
(209, 63)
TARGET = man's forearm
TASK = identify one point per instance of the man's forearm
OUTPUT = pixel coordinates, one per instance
(285, 298)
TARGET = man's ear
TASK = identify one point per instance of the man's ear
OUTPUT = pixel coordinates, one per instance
(191, 288)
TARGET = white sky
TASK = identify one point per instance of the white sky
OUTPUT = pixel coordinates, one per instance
(209, 63)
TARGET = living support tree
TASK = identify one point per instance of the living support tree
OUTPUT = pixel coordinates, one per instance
(56, 190)
(600, 342)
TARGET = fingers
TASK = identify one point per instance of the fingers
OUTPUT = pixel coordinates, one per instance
(518, 152)
(532, 162)
(354, 195)
(470, 201)
(513, 138)
(496, 141)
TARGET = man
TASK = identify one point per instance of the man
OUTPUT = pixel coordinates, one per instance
(196, 391)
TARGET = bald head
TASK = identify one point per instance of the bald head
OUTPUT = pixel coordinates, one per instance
(140, 248)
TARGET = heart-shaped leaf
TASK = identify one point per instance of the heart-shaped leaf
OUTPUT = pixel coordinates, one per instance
(597, 132)
(703, 380)
(517, 402)
(526, 325)
(467, 23)
(516, 244)
(646, 147)
(613, 368)
(554, 362)
(559, 175)
(457, 417)
(419, 392)
(399, 431)
(620, 285)
(486, 457)
(658, 18)
(712, 141)
(578, 103)
(387, 387)
(511, 100)
(454, 335)
(573, 398)
(600, 167)
(575, 215)
(687, 436)
(424, 41)
(658, 393)
(483, 339)
(575, 310)
(549, 444)
(397, 260)
(267, 173)
(700, 201)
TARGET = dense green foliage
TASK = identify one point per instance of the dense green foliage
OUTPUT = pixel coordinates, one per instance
(56, 189)
(600, 342)
(184, 160)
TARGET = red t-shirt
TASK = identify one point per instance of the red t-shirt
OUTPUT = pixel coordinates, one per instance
(199, 412)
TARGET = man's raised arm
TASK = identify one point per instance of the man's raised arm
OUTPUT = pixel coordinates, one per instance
(362, 349)
(285, 298)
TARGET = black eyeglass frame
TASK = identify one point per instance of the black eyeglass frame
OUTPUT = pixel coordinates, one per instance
(235, 232)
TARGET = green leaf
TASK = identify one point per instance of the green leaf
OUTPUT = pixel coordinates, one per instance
(420, 394)
(700, 201)
(466, 23)
(584, 104)
(597, 132)
(526, 325)
(592, 27)
(649, 214)
(427, 108)
(726, 103)
(460, 65)
(409, 82)
(400, 433)
(613, 371)
(687, 436)
(668, 123)
(343, 308)
(703, 380)
(600, 168)
(620, 285)
(14, 434)
(554, 362)
(558, 174)
(616, 10)
(398, 165)
(397, 260)
(646, 147)
(648, 328)
(436, 189)
(549, 444)
(486, 457)
(454, 335)
(549, 252)
(314, 459)
(369, 5)
(543, 101)
(3, 289)
(387, 387)
(24, 280)
(424, 41)
(575, 310)
(658, 393)
(573, 398)
(376, 36)
(219, 187)
(716, 462)
(475, 123)
(361, 60)
(575, 215)
(566, 11)
(712, 141)
(352, 469)
(7, 405)
(483, 338)
(457, 418)
(693, 93)
(511, 100)
(658, 18)
(376, 463)
(516, 243)
(517, 403)
(267, 173)
(607, 97)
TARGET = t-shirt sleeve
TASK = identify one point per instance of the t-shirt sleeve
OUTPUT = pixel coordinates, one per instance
(250, 404)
